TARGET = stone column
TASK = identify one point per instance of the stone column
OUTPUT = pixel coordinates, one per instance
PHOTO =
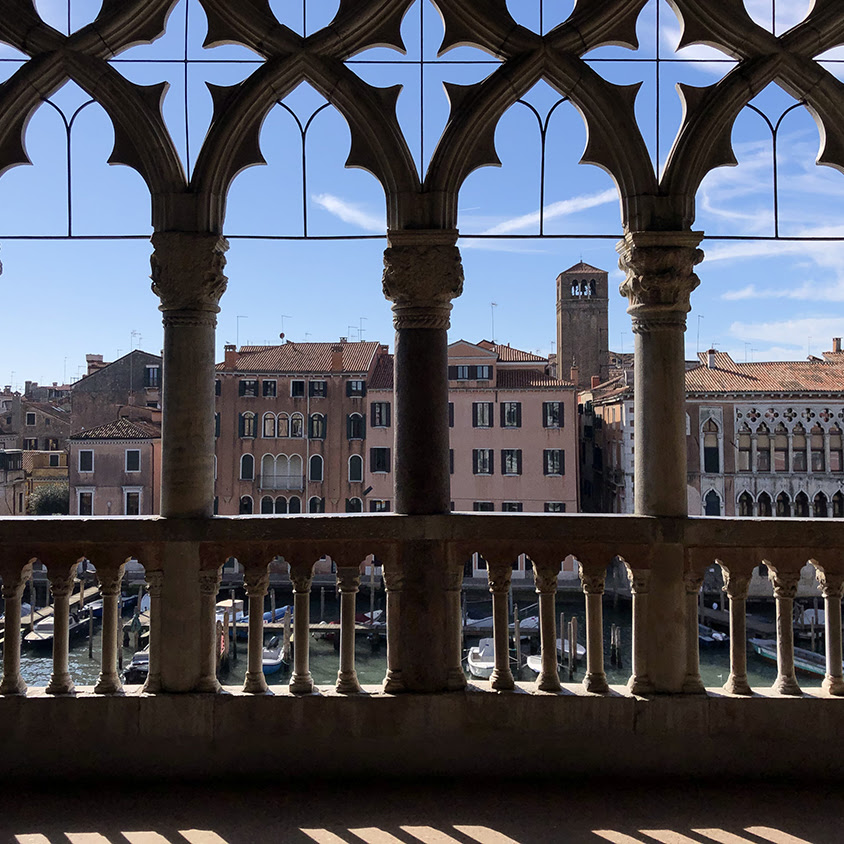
(393, 583)
(209, 586)
(187, 274)
(736, 586)
(301, 576)
(593, 587)
(61, 585)
(545, 578)
(754, 457)
(14, 582)
(155, 586)
(454, 625)
(639, 682)
(692, 685)
(110, 579)
(785, 589)
(348, 581)
(827, 458)
(422, 274)
(256, 581)
(660, 278)
(832, 585)
(790, 467)
(499, 584)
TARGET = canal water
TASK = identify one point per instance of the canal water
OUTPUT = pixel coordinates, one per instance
(372, 665)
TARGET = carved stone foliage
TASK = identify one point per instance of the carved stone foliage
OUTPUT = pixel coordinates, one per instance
(785, 583)
(187, 270)
(640, 580)
(592, 582)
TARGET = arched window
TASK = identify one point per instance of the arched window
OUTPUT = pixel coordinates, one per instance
(316, 504)
(247, 425)
(295, 471)
(245, 505)
(763, 449)
(315, 470)
(294, 505)
(783, 505)
(711, 459)
(763, 505)
(268, 472)
(354, 505)
(355, 426)
(247, 468)
(712, 504)
(297, 425)
(268, 427)
(744, 449)
(266, 504)
(838, 506)
(798, 447)
(745, 504)
(780, 448)
(283, 425)
(836, 453)
(817, 444)
(819, 506)
(281, 504)
(801, 505)
(355, 469)
(317, 426)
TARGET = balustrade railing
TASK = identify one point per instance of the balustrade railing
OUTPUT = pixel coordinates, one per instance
(737, 546)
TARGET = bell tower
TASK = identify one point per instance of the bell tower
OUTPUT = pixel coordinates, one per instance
(583, 323)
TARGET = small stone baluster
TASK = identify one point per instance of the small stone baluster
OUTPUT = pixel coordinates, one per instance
(209, 586)
(110, 579)
(832, 585)
(593, 586)
(13, 586)
(692, 685)
(393, 583)
(301, 576)
(348, 580)
(454, 620)
(256, 582)
(736, 586)
(545, 578)
(785, 590)
(61, 585)
(499, 584)
(639, 682)
(155, 585)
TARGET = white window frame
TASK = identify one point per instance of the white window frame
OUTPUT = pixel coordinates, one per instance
(126, 460)
(360, 479)
(242, 458)
(133, 490)
(84, 490)
(31, 413)
(263, 388)
(79, 464)
(297, 381)
(321, 477)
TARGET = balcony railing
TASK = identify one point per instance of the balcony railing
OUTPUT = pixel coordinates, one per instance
(271, 480)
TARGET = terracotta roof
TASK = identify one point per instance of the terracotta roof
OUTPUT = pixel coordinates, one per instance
(507, 354)
(382, 376)
(302, 357)
(121, 429)
(582, 267)
(521, 379)
(727, 376)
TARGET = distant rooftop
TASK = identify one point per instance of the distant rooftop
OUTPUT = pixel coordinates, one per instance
(302, 357)
(508, 354)
(583, 267)
(121, 429)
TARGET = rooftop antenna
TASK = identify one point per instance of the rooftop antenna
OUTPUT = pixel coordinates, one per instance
(237, 333)
(492, 307)
(133, 335)
(699, 318)
(307, 334)
(361, 329)
(809, 347)
(351, 329)
(284, 317)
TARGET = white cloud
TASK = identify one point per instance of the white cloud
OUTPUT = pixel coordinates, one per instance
(555, 209)
(820, 329)
(350, 213)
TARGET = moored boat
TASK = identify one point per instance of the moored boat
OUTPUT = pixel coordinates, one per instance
(481, 659)
(805, 661)
(709, 638)
(534, 661)
(137, 670)
(272, 660)
(41, 636)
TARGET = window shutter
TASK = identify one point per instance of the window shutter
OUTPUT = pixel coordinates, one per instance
(348, 427)
(348, 393)
(388, 406)
(452, 373)
(518, 461)
(560, 414)
(240, 425)
(519, 416)
(474, 461)
(451, 461)
(371, 459)
(451, 414)
(490, 414)
(372, 420)
(362, 427)
(474, 414)
(562, 462)
(503, 414)
(241, 388)
(491, 453)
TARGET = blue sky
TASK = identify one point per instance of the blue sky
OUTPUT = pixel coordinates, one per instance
(758, 299)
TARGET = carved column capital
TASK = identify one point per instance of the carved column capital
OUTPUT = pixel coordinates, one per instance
(256, 582)
(692, 580)
(393, 577)
(301, 578)
(832, 584)
(660, 277)
(784, 582)
(155, 583)
(735, 585)
(209, 581)
(110, 580)
(14, 582)
(423, 272)
(640, 580)
(187, 275)
(499, 578)
(592, 582)
(545, 579)
(61, 581)
(348, 580)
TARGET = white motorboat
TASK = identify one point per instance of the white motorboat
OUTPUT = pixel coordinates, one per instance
(41, 636)
(534, 661)
(482, 659)
(272, 659)
(137, 670)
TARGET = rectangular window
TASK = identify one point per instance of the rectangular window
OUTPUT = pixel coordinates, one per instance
(268, 389)
(482, 414)
(355, 388)
(511, 507)
(484, 373)
(30, 444)
(133, 460)
(216, 425)
(380, 412)
(52, 445)
(451, 461)
(86, 503)
(553, 461)
(552, 414)
(30, 418)
(152, 376)
(511, 461)
(54, 461)
(555, 507)
(297, 389)
(86, 460)
(451, 414)
(379, 459)
(132, 503)
(511, 414)
(377, 506)
(317, 389)
(482, 461)
(483, 506)
(462, 373)
(744, 452)
(248, 388)
(218, 387)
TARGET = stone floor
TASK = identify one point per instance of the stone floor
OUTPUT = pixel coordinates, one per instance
(430, 812)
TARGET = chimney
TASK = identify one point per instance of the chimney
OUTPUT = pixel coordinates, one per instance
(575, 374)
(596, 380)
(337, 357)
(836, 345)
(94, 362)
(231, 356)
(27, 387)
(710, 359)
